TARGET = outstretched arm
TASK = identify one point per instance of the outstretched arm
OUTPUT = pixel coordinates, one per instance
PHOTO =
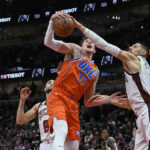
(51, 42)
(129, 60)
(97, 100)
(22, 117)
(114, 99)
(99, 42)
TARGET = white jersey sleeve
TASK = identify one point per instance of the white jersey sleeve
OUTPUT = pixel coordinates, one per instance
(138, 87)
(43, 123)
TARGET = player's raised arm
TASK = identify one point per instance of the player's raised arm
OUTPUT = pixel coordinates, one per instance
(51, 42)
(22, 117)
(124, 56)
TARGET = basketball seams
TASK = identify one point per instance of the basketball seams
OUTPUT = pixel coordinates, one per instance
(63, 26)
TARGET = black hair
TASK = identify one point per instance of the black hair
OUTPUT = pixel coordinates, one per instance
(144, 47)
(83, 39)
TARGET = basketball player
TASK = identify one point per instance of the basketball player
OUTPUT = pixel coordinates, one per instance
(78, 76)
(39, 110)
(109, 142)
(137, 74)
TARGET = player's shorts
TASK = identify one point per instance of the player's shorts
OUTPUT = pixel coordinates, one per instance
(64, 108)
(142, 139)
(45, 146)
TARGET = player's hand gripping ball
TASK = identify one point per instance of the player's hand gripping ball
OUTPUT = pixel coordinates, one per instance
(63, 26)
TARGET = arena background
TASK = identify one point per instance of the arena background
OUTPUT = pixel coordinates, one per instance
(25, 61)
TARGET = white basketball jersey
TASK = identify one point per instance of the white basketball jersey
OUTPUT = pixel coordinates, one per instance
(138, 87)
(43, 123)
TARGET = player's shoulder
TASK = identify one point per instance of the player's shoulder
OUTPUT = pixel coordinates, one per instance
(125, 55)
(42, 104)
(37, 105)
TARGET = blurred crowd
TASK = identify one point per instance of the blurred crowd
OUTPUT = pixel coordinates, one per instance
(13, 137)
(15, 90)
(119, 122)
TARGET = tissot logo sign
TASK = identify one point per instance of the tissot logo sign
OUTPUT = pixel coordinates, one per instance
(5, 19)
(70, 10)
(12, 75)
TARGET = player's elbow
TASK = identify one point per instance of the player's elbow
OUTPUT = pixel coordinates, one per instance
(46, 43)
(87, 103)
(19, 122)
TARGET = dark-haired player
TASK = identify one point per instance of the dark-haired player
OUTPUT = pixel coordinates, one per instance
(137, 74)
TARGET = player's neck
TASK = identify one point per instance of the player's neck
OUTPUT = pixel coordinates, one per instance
(90, 57)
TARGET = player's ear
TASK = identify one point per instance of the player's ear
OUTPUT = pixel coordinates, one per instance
(144, 53)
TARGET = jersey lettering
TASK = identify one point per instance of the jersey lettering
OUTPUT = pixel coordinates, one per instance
(45, 126)
(86, 68)
(126, 80)
(81, 78)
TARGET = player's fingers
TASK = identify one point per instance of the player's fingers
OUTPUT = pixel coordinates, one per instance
(61, 15)
(123, 96)
(66, 15)
(29, 92)
(24, 89)
(115, 94)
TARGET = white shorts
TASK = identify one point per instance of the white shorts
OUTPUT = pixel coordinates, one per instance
(143, 133)
(44, 146)
(69, 145)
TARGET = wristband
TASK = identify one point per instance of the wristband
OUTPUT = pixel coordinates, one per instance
(109, 99)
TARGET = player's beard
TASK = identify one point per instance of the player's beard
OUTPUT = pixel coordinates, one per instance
(48, 91)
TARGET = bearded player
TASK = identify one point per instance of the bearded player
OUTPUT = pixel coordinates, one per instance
(39, 110)
(137, 75)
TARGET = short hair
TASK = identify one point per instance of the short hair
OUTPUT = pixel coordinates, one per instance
(144, 47)
(49, 81)
(83, 39)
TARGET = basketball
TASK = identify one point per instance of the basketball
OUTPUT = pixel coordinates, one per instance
(63, 26)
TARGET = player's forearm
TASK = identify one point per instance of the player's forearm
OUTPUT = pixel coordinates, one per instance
(101, 43)
(20, 119)
(80, 26)
(123, 103)
(49, 40)
(101, 100)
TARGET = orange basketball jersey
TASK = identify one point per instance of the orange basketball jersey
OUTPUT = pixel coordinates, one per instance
(75, 77)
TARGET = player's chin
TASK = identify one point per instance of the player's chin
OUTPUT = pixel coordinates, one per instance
(89, 52)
